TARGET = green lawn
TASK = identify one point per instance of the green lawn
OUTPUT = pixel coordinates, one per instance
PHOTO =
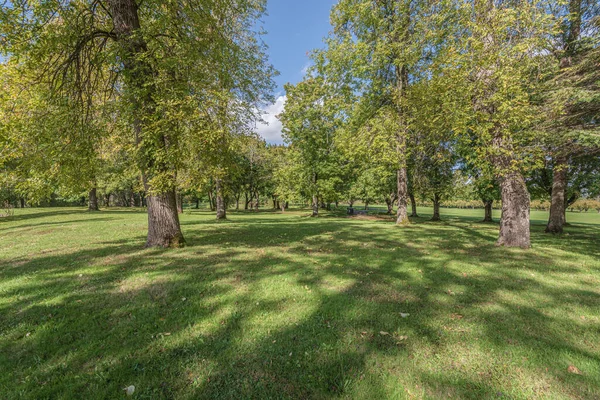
(271, 305)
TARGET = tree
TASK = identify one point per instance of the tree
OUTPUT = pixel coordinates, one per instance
(502, 77)
(309, 125)
(158, 56)
(573, 100)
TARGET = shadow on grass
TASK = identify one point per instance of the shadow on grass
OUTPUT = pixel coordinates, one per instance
(261, 307)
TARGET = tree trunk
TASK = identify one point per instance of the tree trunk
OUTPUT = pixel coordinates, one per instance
(413, 205)
(221, 211)
(315, 206)
(402, 212)
(257, 201)
(132, 198)
(488, 204)
(163, 221)
(197, 203)
(211, 200)
(283, 205)
(436, 208)
(22, 200)
(179, 200)
(514, 223)
(557, 200)
(107, 200)
(93, 200)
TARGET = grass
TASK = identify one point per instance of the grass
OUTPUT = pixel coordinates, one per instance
(271, 305)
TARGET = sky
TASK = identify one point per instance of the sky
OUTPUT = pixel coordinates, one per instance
(294, 28)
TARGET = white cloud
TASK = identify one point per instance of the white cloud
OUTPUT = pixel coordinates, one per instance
(304, 69)
(271, 129)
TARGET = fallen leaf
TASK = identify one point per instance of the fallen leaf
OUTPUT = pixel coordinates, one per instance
(574, 370)
(383, 333)
(129, 390)
(404, 315)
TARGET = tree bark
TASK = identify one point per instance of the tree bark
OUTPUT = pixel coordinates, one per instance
(436, 208)
(514, 223)
(413, 205)
(402, 212)
(163, 221)
(488, 205)
(211, 200)
(556, 220)
(221, 209)
(315, 206)
(390, 206)
(22, 200)
(93, 200)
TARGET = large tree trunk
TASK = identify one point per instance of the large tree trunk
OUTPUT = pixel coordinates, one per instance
(402, 212)
(221, 209)
(514, 224)
(413, 205)
(22, 200)
(93, 200)
(488, 205)
(163, 221)
(557, 202)
(436, 208)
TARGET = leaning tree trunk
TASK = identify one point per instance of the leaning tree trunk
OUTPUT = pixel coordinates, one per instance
(556, 220)
(221, 209)
(488, 205)
(163, 221)
(413, 205)
(514, 223)
(93, 200)
(402, 212)
(436, 208)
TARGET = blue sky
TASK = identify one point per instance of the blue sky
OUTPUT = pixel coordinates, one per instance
(294, 27)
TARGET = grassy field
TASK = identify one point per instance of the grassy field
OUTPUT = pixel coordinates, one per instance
(271, 305)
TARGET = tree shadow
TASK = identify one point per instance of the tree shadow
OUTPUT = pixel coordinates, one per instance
(265, 307)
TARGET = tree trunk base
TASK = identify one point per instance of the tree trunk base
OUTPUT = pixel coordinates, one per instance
(163, 221)
(554, 229)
